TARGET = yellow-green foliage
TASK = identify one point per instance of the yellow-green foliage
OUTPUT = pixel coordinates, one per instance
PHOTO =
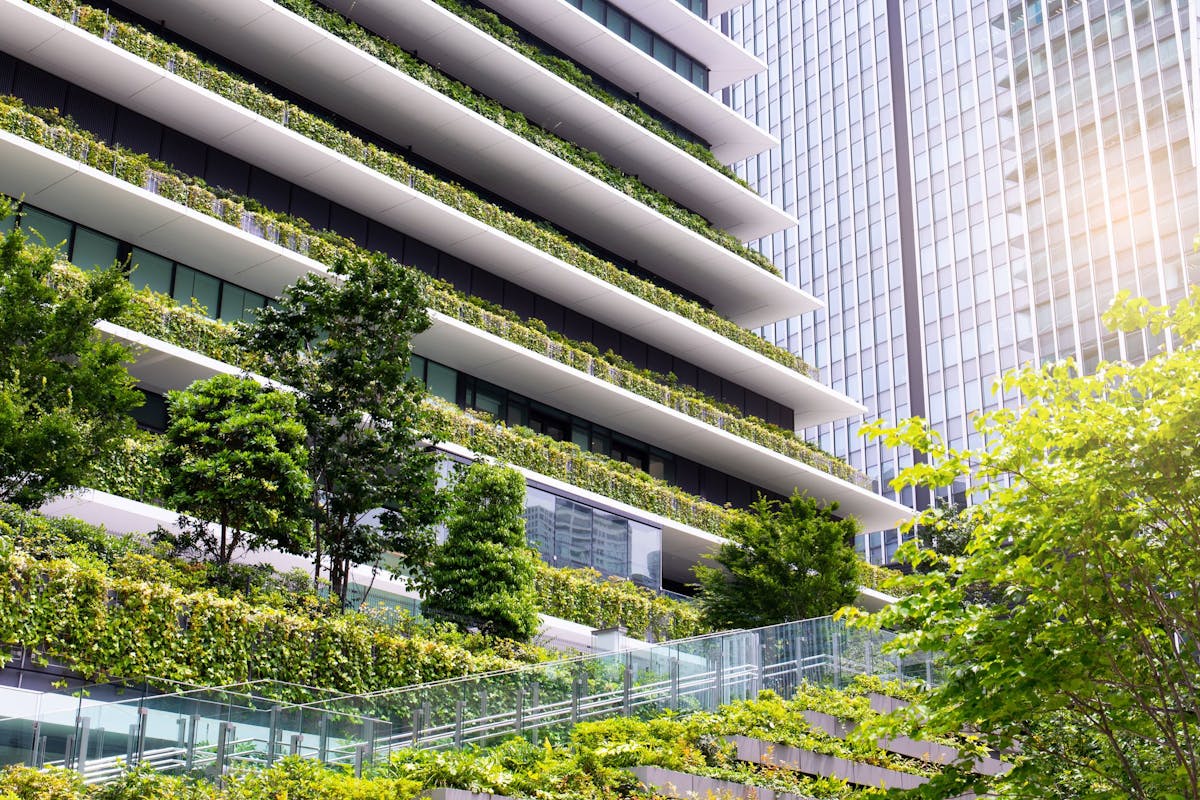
(105, 625)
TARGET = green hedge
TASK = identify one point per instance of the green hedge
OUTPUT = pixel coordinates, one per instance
(516, 122)
(583, 596)
(111, 626)
(49, 129)
(188, 66)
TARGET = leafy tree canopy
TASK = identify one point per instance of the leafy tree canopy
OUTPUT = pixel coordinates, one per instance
(345, 343)
(236, 457)
(484, 573)
(783, 561)
(1082, 647)
(65, 394)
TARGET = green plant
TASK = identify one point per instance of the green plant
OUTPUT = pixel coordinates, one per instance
(487, 21)
(582, 595)
(516, 122)
(345, 347)
(1068, 625)
(483, 574)
(782, 561)
(49, 129)
(234, 455)
(65, 393)
(106, 626)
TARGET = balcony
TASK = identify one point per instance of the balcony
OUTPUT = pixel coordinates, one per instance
(86, 195)
(732, 136)
(478, 59)
(727, 62)
(745, 293)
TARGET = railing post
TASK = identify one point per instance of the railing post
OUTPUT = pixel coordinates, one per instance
(867, 650)
(272, 734)
(535, 692)
(574, 699)
(358, 760)
(416, 727)
(85, 726)
(836, 643)
(520, 710)
(719, 678)
(369, 739)
(459, 708)
(294, 744)
(673, 670)
(323, 737)
(190, 756)
(143, 721)
(224, 733)
(627, 689)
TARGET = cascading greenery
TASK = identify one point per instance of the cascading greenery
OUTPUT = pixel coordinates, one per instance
(189, 66)
(48, 128)
(583, 596)
(326, 248)
(492, 25)
(516, 122)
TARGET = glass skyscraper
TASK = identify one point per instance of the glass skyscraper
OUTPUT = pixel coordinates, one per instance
(973, 183)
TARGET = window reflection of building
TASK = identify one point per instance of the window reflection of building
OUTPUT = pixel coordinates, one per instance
(569, 533)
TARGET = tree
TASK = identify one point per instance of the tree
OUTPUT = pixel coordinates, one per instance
(784, 561)
(65, 393)
(236, 457)
(345, 345)
(484, 573)
(1084, 651)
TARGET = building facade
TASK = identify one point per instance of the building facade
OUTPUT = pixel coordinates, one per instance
(973, 182)
(553, 169)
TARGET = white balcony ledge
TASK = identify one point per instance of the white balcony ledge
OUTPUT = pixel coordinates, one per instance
(568, 29)
(481, 61)
(746, 294)
(718, 7)
(86, 195)
(165, 366)
(479, 353)
(339, 76)
(727, 62)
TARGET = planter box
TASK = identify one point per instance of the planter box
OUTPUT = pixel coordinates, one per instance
(810, 763)
(930, 752)
(460, 794)
(670, 783)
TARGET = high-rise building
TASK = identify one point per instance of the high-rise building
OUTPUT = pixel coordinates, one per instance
(973, 184)
(558, 170)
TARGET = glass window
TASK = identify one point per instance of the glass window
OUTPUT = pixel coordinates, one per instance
(442, 381)
(192, 285)
(572, 533)
(594, 9)
(539, 522)
(40, 226)
(645, 554)
(93, 250)
(610, 544)
(150, 271)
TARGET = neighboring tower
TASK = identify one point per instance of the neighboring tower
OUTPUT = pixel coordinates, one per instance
(833, 107)
(1034, 157)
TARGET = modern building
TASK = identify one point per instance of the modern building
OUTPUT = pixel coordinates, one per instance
(973, 182)
(560, 161)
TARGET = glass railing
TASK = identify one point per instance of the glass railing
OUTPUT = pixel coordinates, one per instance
(214, 729)
(200, 729)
